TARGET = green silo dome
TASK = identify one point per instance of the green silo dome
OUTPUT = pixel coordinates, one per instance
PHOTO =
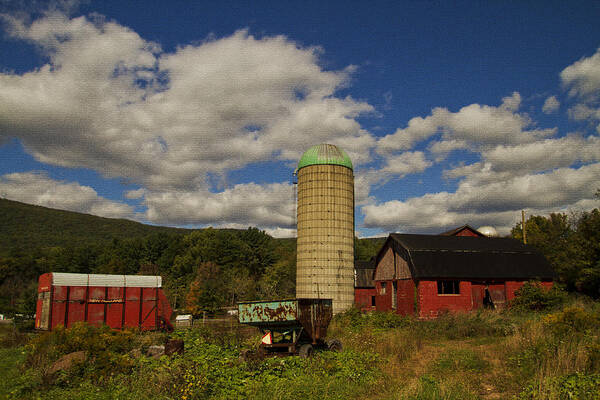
(325, 154)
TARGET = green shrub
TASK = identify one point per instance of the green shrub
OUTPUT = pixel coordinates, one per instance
(572, 319)
(573, 386)
(532, 296)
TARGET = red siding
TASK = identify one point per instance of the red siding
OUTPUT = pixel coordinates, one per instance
(59, 302)
(406, 297)
(466, 232)
(363, 296)
(101, 305)
(77, 301)
(132, 307)
(431, 304)
(383, 302)
(114, 307)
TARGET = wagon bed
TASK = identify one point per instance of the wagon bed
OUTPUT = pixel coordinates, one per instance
(289, 326)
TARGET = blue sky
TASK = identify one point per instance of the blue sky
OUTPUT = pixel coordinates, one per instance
(195, 113)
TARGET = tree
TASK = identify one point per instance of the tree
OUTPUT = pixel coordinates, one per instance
(571, 247)
(588, 240)
(206, 290)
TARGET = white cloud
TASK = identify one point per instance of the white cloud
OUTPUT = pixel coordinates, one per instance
(112, 101)
(551, 105)
(503, 162)
(37, 188)
(495, 202)
(265, 206)
(583, 80)
(282, 232)
(583, 76)
(405, 163)
(473, 126)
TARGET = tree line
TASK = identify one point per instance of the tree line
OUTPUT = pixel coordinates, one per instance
(207, 269)
(571, 243)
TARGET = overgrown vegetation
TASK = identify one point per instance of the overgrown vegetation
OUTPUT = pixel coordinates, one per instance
(542, 354)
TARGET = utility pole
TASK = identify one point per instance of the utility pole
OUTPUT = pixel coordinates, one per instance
(523, 227)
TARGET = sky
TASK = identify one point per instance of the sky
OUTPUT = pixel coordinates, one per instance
(195, 114)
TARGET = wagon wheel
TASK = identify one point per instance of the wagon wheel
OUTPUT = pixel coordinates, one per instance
(306, 351)
(334, 345)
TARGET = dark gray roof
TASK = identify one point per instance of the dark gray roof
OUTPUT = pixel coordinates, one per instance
(364, 273)
(437, 256)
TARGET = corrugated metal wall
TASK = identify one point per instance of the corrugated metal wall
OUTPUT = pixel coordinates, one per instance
(325, 263)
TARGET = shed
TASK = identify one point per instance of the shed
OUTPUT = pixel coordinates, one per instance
(426, 275)
(364, 286)
(184, 321)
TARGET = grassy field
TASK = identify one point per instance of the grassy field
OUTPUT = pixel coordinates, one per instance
(553, 354)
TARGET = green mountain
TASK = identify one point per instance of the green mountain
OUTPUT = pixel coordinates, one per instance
(25, 226)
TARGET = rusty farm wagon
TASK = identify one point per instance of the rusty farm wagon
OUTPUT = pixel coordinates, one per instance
(294, 326)
(119, 301)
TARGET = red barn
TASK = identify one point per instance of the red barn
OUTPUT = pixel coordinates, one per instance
(364, 286)
(119, 301)
(425, 275)
(464, 230)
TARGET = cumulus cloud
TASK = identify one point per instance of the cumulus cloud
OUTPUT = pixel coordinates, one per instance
(266, 206)
(37, 188)
(473, 126)
(583, 76)
(175, 122)
(109, 100)
(503, 162)
(395, 167)
(551, 105)
(583, 80)
(492, 203)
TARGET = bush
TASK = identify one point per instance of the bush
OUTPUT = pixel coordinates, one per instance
(573, 386)
(572, 319)
(532, 296)
(107, 349)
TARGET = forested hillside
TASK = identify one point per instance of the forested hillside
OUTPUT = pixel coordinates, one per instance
(25, 226)
(202, 269)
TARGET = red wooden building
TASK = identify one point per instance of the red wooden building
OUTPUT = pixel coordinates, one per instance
(119, 301)
(465, 230)
(425, 275)
(364, 286)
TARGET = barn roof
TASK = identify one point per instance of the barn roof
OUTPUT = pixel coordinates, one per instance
(363, 271)
(453, 232)
(454, 257)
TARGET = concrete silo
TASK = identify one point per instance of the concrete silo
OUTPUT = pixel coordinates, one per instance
(325, 252)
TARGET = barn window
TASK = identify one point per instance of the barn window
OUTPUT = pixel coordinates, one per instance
(448, 287)
(373, 301)
(383, 286)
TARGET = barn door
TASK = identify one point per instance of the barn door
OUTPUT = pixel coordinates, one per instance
(498, 295)
(477, 293)
(394, 295)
